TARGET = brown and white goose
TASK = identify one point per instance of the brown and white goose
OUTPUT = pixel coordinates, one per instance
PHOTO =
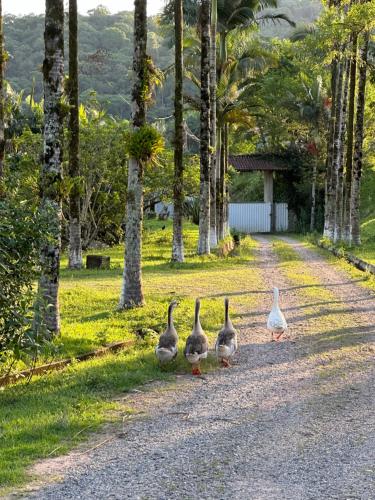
(196, 347)
(166, 350)
(226, 343)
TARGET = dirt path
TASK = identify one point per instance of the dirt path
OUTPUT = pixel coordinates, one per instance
(292, 420)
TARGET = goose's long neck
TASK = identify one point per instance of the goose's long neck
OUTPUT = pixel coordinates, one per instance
(196, 317)
(170, 315)
(276, 297)
(226, 302)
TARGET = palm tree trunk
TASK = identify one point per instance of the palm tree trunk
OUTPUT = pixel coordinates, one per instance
(213, 83)
(178, 195)
(2, 98)
(51, 174)
(226, 187)
(329, 223)
(341, 157)
(337, 145)
(359, 129)
(132, 292)
(313, 194)
(75, 244)
(349, 149)
(327, 233)
(220, 184)
(204, 211)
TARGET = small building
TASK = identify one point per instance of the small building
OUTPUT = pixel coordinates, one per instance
(259, 217)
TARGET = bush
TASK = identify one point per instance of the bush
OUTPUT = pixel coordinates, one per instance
(21, 233)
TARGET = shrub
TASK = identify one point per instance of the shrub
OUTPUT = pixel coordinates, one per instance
(21, 233)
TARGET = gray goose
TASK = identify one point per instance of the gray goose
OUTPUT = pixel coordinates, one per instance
(226, 343)
(196, 347)
(166, 350)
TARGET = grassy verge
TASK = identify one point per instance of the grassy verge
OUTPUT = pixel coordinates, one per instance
(51, 414)
(364, 279)
(367, 250)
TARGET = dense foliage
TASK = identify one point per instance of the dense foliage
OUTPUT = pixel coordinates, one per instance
(105, 54)
(21, 234)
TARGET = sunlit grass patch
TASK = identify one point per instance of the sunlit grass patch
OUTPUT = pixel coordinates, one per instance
(294, 268)
(89, 298)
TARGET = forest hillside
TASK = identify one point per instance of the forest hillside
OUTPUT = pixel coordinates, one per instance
(105, 53)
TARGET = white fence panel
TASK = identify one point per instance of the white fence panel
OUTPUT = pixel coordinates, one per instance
(281, 217)
(256, 217)
(161, 207)
(250, 217)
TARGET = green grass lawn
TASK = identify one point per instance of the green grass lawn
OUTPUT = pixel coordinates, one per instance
(54, 412)
(367, 250)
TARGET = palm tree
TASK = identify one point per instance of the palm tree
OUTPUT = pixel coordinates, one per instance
(340, 159)
(178, 196)
(236, 15)
(234, 105)
(349, 149)
(2, 97)
(311, 110)
(204, 208)
(231, 15)
(75, 244)
(213, 135)
(51, 175)
(132, 292)
(357, 167)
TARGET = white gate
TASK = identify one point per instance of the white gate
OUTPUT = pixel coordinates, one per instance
(257, 217)
(250, 217)
(281, 219)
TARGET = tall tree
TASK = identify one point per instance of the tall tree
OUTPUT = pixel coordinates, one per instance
(75, 244)
(51, 174)
(337, 146)
(359, 129)
(341, 158)
(178, 195)
(2, 96)
(213, 128)
(331, 172)
(204, 208)
(350, 140)
(132, 292)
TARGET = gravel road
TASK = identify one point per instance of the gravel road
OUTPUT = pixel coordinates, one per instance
(291, 420)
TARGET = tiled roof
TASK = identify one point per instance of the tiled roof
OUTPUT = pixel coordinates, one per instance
(252, 162)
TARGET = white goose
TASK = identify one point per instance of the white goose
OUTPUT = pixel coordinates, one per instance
(276, 320)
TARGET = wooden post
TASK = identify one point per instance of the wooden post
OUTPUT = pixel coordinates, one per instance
(268, 186)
